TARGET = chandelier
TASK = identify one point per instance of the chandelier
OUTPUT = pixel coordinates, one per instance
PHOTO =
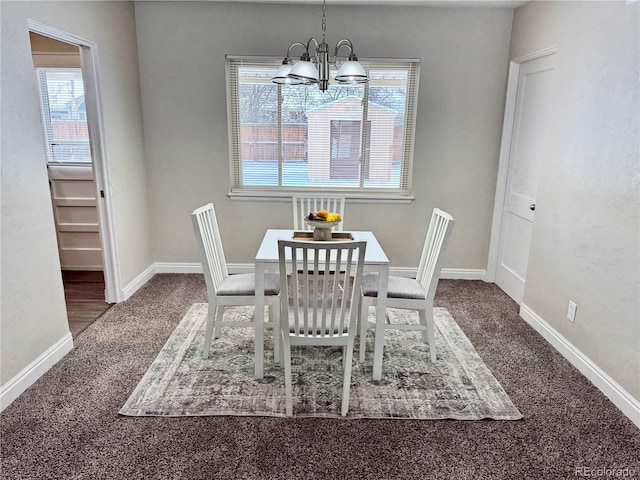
(305, 72)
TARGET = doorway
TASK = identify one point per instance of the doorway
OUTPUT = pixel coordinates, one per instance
(71, 172)
(345, 144)
(525, 126)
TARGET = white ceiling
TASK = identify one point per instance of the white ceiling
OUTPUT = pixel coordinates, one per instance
(510, 4)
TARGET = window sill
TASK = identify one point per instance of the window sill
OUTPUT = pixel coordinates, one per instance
(355, 197)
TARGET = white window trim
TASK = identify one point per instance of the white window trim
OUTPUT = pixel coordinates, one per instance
(356, 196)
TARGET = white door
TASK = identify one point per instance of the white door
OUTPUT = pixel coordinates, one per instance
(530, 126)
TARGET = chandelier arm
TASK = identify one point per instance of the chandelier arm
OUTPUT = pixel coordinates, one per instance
(297, 44)
(315, 46)
(345, 42)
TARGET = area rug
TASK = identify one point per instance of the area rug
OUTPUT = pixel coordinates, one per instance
(458, 386)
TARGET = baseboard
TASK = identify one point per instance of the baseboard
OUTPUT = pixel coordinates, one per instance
(196, 267)
(463, 274)
(133, 286)
(447, 273)
(167, 267)
(28, 376)
(614, 392)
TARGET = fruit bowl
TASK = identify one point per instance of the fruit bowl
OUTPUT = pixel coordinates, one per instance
(321, 223)
(321, 229)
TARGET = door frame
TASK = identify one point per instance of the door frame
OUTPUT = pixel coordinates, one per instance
(89, 55)
(505, 154)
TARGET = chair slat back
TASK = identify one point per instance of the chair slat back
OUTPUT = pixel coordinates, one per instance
(323, 279)
(207, 232)
(303, 205)
(433, 252)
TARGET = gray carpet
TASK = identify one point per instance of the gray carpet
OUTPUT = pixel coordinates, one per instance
(67, 426)
(458, 386)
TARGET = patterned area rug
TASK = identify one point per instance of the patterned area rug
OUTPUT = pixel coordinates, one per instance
(458, 386)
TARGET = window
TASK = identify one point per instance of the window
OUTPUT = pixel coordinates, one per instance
(356, 139)
(64, 115)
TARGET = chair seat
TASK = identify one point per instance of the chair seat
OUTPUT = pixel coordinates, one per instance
(397, 287)
(244, 284)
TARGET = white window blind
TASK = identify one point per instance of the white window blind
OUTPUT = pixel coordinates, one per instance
(64, 115)
(353, 138)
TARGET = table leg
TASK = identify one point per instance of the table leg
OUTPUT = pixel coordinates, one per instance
(381, 311)
(259, 322)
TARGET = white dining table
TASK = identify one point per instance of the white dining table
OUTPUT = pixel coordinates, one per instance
(266, 260)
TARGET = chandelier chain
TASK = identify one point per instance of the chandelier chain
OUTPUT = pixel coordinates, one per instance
(324, 19)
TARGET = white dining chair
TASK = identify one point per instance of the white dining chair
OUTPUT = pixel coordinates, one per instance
(305, 204)
(320, 293)
(224, 290)
(409, 293)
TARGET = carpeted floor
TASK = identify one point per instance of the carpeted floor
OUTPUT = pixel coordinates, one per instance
(67, 426)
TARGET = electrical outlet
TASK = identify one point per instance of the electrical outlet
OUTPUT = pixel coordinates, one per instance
(571, 311)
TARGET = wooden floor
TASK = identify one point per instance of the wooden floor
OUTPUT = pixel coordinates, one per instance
(84, 295)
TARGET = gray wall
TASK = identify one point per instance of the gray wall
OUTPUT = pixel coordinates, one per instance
(585, 244)
(464, 52)
(33, 312)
